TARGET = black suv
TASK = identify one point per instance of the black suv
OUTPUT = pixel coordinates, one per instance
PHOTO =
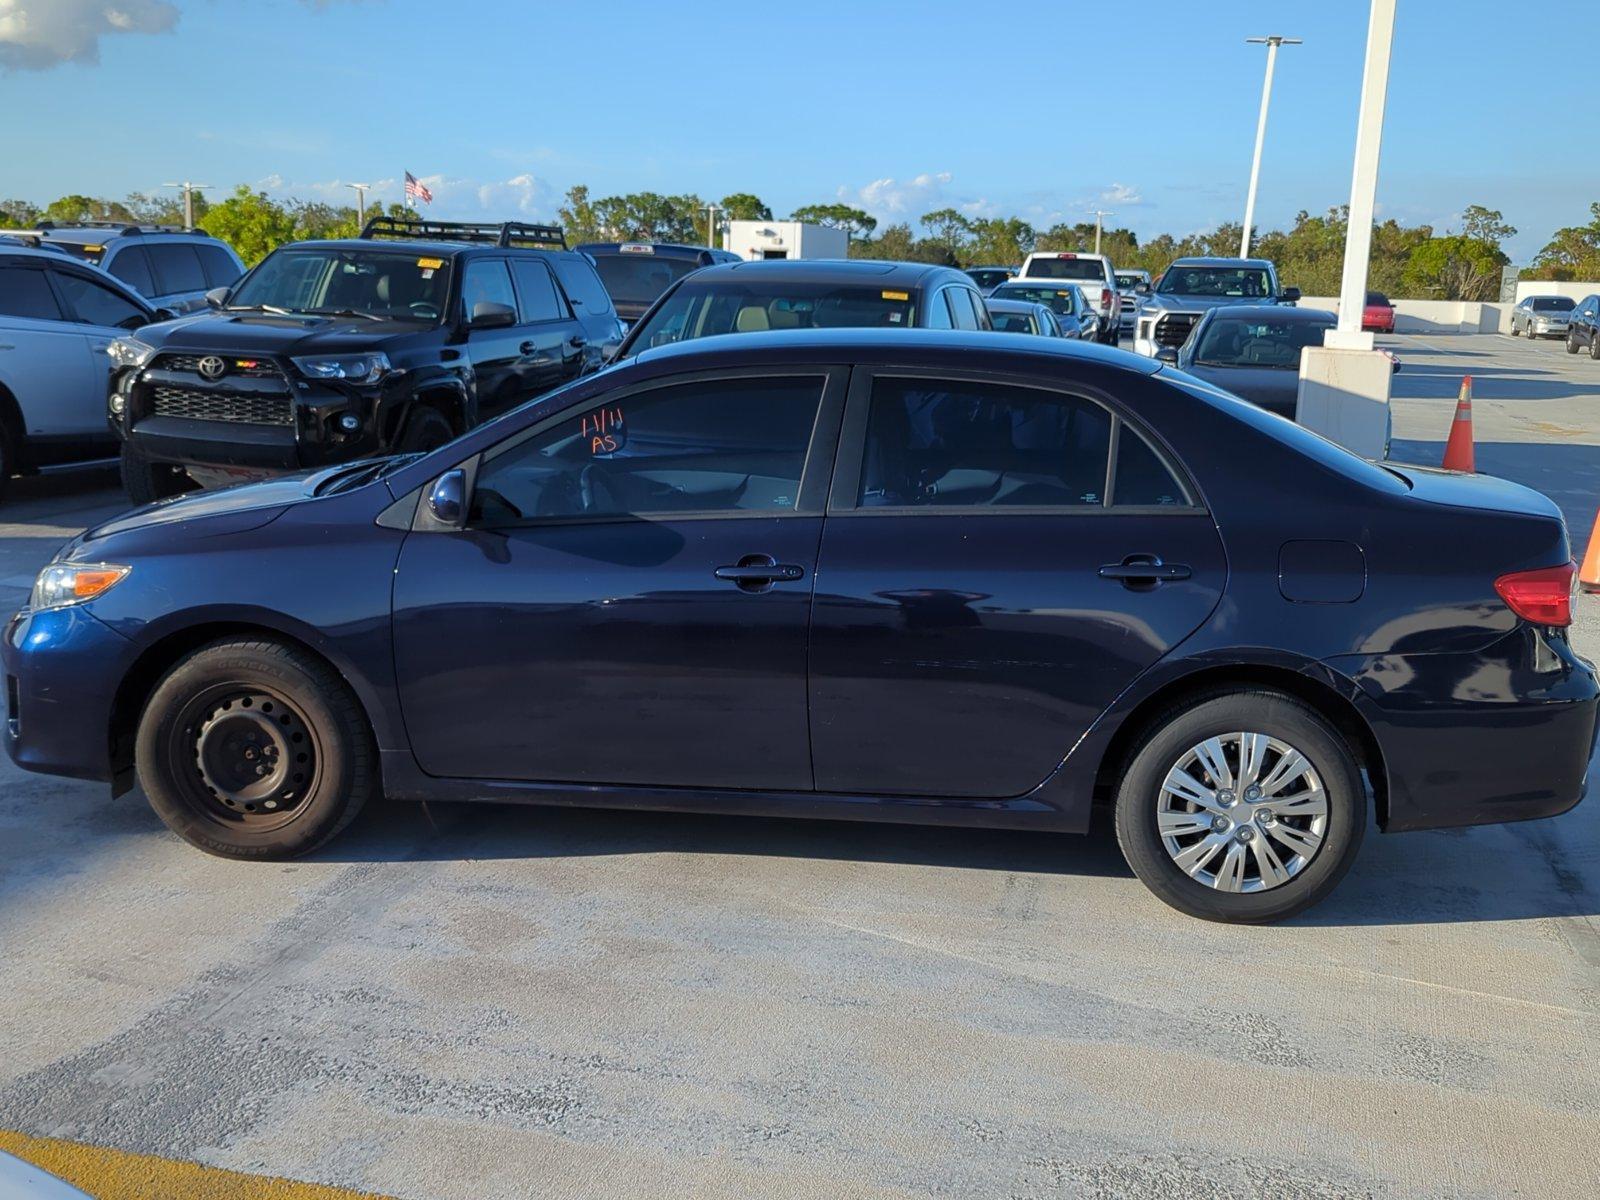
(1583, 327)
(753, 297)
(636, 273)
(328, 351)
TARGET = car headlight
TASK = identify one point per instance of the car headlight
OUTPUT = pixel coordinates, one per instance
(356, 368)
(61, 585)
(130, 352)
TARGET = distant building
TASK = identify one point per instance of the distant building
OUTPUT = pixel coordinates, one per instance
(786, 239)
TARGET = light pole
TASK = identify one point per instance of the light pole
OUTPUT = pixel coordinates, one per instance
(1272, 43)
(1099, 215)
(711, 226)
(189, 189)
(361, 201)
(1364, 179)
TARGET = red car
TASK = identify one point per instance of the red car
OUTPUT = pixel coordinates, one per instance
(1378, 315)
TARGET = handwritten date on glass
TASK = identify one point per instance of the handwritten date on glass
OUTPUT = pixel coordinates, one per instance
(604, 429)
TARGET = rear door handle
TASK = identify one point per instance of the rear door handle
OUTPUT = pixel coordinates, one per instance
(758, 572)
(1144, 570)
(528, 347)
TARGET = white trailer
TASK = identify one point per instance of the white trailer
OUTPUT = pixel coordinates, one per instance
(786, 239)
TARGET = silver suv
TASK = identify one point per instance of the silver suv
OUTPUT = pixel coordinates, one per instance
(170, 267)
(57, 318)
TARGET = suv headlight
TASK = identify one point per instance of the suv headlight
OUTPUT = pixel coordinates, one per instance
(130, 352)
(356, 368)
(61, 585)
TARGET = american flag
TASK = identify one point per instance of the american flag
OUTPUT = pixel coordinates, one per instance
(417, 190)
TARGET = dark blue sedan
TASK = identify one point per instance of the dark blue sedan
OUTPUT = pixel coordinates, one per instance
(966, 579)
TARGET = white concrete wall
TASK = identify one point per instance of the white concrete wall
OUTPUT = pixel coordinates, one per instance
(1433, 316)
(1577, 289)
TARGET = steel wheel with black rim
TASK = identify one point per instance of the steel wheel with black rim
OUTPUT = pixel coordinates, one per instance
(1246, 807)
(253, 749)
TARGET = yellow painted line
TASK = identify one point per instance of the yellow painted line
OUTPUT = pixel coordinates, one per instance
(118, 1175)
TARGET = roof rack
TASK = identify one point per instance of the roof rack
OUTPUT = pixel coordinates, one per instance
(502, 233)
(126, 228)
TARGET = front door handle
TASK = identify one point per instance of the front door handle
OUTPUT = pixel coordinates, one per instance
(528, 347)
(758, 572)
(1144, 571)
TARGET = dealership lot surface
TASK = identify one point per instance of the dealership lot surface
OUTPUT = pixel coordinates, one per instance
(503, 1002)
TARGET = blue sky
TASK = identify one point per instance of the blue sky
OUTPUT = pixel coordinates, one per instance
(897, 107)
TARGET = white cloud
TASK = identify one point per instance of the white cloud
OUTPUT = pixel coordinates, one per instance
(1123, 194)
(895, 199)
(454, 197)
(36, 35)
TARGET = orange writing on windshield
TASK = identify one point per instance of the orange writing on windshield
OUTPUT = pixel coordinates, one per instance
(603, 428)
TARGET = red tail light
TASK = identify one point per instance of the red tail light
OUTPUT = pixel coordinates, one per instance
(1543, 597)
(1105, 299)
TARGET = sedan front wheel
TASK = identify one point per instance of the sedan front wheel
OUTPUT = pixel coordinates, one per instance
(1246, 807)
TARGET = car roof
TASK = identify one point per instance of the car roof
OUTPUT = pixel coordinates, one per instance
(833, 270)
(89, 234)
(22, 250)
(417, 246)
(1035, 282)
(1206, 261)
(1275, 312)
(1069, 254)
(665, 249)
(1012, 306)
(899, 347)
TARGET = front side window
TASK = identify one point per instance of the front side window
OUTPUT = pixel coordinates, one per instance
(486, 281)
(1232, 342)
(718, 446)
(396, 285)
(697, 310)
(95, 304)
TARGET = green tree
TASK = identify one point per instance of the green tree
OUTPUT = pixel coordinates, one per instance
(999, 241)
(853, 221)
(1486, 225)
(1572, 253)
(252, 223)
(19, 214)
(743, 206)
(314, 219)
(577, 217)
(163, 210)
(68, 210)
(1454, 268)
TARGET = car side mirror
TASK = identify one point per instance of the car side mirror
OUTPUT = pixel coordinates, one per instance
(217, 297)
(1167, 354)
(487, 314)
(163, 314)
(447, 500)
(1395, 370)
(1289, 295)
(1141, 289)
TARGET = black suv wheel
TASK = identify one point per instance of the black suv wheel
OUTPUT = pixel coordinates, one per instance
(146, 481)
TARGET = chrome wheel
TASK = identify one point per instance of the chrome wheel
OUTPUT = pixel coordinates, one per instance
(1242, 812)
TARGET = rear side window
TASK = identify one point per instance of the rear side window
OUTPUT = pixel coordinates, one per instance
(177, 268)
(714, 446)
(581, 284)
(220, 269)
(939, 311)
(536, 292)
(933, 443)
(130, 265)
(962, 311)
(95, 304)
(26, 293)
(1141, 478)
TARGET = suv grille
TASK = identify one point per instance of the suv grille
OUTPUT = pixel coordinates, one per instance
(238, 407)
(1173, 328)
(191, 363)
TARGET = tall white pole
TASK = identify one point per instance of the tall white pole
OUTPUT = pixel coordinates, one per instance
(1272, 42)
(361, 201)
(1099, 215)
(1364, 181)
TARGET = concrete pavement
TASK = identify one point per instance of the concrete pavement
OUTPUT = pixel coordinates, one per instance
(498, 1002)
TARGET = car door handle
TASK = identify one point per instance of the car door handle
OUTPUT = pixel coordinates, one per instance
(1144, 571)
(528, 347)
(758, 572)
(577, 341)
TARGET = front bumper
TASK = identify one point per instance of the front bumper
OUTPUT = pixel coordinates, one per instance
(61, 670)
(1547, 329)
(1505, 734)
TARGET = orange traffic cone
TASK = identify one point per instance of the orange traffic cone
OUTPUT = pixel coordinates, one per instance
(1458, 450)
(1589, 573)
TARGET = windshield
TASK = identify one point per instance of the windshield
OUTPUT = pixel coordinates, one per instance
(1216, 281)
(704, 310)
(1232, 342)
(989, 276)
(1057, 299)
(1012, 322)
(1554, 304)
(1066, 268)
(640, 278)
(378, 283)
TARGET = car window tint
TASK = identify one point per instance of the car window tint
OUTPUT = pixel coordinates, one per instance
(536, 292)
(1141, 477)
(93, 303)
(962, 312)
(733, 445)
(26, 293)
(220, 269)
(486, 281)
(177, 268)
(582, 285)
(130, 265)
(939, 311)
(1012, 322)
(962, 444)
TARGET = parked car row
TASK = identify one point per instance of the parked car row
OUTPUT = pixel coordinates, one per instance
(1576, 322)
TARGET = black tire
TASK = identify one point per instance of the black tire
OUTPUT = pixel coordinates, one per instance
(425, 429)
(1572, 344)
(146, 481)
(1594, 345)
(1172, 737)
(8, 460)
(241, 708)
(1515, 332)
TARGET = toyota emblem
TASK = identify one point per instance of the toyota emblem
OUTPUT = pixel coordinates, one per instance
(212, 367)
